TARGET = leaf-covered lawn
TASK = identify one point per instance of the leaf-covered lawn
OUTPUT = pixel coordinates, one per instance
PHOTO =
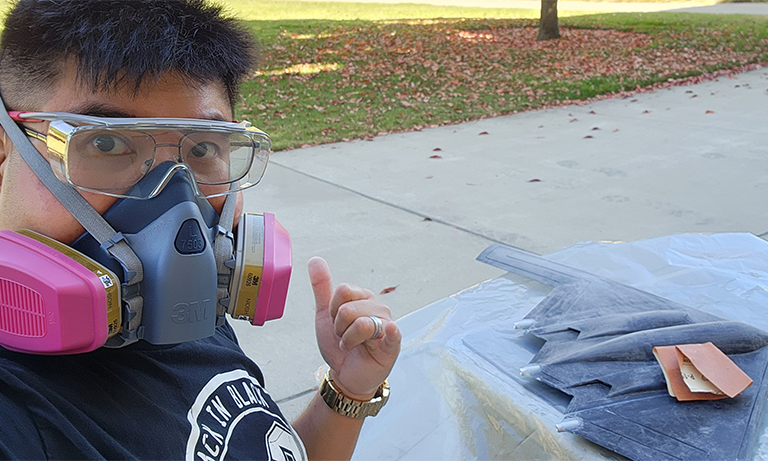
(326, 81)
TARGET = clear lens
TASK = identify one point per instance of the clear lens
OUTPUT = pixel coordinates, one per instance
(113, 160)
(108, 160)
(261, 152)
(217, 157)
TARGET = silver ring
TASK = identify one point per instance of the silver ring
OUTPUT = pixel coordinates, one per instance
(378, 325)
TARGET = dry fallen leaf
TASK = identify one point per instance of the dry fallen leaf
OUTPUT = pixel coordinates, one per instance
(710, 112)
(388, 290)
(425, 67)
(435, 156)
(436, 149)
(482, 133)
(535, 180)
(588, 137)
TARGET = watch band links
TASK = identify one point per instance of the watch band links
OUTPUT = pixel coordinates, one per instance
(345, 406)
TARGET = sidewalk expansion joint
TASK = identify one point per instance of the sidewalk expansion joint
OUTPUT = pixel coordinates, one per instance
(392, 205)
(296, 396)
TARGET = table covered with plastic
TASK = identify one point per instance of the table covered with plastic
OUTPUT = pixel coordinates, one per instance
(457, 391)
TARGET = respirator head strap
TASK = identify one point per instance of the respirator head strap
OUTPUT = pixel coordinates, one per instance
(133, 303)
(85, 214)
(223, 248)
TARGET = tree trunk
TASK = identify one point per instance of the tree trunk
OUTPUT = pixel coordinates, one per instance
(548, 27)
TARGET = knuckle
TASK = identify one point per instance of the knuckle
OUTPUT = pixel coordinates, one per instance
(343, 287)
(361, 323)
(342, 290)
(346, 314)
(384, 311)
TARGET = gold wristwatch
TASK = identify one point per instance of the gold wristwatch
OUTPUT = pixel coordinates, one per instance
(345, 406)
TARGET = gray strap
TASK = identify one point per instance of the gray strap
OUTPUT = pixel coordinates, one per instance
(223, 250)
(74, 202)
(228, 211)
(85, 214)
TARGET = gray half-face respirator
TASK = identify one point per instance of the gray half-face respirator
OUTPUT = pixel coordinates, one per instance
(166, 270)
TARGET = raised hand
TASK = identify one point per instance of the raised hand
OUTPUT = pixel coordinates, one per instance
(345, 333)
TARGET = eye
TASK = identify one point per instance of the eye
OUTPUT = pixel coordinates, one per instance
(110, 144)
(204, 149)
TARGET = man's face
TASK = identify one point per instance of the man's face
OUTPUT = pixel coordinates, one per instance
(25, 203)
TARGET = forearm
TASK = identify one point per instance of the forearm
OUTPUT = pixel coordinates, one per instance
(360, 343)
(326, 434)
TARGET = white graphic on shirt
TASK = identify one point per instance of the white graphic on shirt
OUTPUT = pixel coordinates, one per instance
(278, 439)
(221, 405)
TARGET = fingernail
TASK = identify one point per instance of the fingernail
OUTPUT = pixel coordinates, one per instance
(341, 346)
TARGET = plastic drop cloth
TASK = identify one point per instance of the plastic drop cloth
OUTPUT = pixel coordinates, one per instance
(456, 389)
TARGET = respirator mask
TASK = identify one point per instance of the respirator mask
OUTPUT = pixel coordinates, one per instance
(160, 264)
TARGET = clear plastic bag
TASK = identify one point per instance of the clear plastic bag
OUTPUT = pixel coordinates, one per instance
(457, 392)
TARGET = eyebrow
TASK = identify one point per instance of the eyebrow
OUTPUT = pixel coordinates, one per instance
(95, 109)
(100, 110)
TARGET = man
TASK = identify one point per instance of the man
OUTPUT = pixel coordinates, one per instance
(154, 62)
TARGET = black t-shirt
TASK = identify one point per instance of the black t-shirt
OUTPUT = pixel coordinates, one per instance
(200, 400)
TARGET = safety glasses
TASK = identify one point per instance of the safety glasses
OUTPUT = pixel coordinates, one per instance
(111, 155)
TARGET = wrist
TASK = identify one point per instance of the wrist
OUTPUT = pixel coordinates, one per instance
(345, 405)
(364, 397)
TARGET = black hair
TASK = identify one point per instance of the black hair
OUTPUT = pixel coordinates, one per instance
(118, 42)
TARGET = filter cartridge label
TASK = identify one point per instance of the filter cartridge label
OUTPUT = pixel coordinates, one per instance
(252, 264)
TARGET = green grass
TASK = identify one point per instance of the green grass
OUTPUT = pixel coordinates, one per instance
(326, 80)
(275, 17)
(338, 71)
(286, 9)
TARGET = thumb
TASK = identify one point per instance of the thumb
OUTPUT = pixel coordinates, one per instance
(322, 286)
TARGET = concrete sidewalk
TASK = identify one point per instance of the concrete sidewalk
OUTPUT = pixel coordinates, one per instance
(385, 214)
(724, 8)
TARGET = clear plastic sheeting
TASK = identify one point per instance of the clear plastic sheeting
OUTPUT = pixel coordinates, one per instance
(457, 391)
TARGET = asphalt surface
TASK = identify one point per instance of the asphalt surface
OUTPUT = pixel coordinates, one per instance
(384, 214)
